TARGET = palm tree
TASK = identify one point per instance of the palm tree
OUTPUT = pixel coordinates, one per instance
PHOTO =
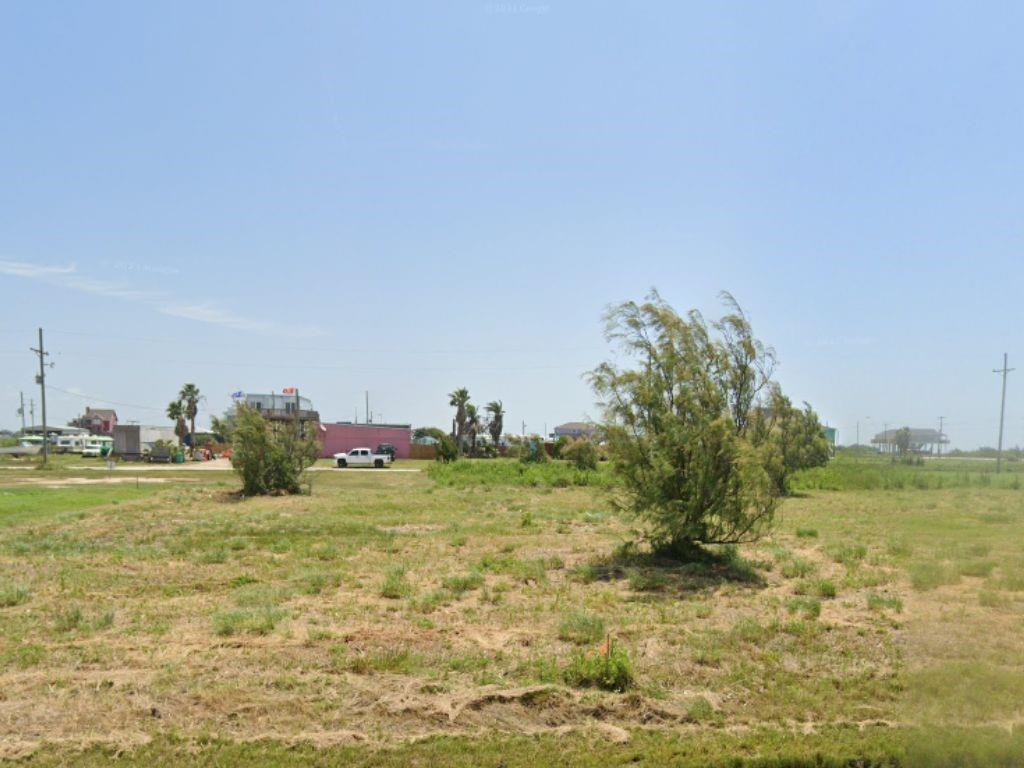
(189, 398)
(497, 423)
(472, 424)
(458, 400)
(176, 413)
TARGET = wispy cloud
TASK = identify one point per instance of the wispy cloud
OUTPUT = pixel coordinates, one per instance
(202, 312)
(24, 269)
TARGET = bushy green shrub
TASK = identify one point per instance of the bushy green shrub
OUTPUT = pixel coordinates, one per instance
(269, 458)
(581, 628)
(689, 427)
(610, 671)
(395, 584)
(582, 454)
(533, 451)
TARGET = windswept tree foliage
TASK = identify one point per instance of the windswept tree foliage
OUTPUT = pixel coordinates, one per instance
(793, 438)
(446, 450)
(688, 426)
(581, 453)
(270, 458)
(224, 427)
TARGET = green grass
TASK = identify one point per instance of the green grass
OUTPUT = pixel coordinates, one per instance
(254, 621)
(581, 628)
(264, 619)
(879, 602)
(926, 576)
(609, 672)
(869, 473)
(507, 472)
(808, 607)
(460, 584)
(395, 584)
(817, 588)
(13, 594)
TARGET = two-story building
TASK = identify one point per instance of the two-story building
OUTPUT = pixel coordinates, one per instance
(99, 421)
(284, 407)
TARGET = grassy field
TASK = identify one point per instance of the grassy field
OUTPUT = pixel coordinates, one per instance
(452, 616)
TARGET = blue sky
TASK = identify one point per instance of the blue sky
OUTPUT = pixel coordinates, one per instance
(409, 198)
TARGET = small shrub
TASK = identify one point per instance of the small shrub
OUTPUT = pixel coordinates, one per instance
(807, 533)
(647, 580)
(817, 588)
(701, 711)
(1011, 581)
(978, 568)
(880, 602)
(457, 585)
(797, 567)
(928, 576)
(269, 459)
(808, 607)
(988, 599)
(259, 595)
(259, 621)
(581, 628)
(749, 630)
(849, 554)
(13, 594)
(581, 454)
(395, 584)
(398, 660)
(432, 600)
(68, 619)
(610, 671)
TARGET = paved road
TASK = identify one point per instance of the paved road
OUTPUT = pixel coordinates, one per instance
(223, 465)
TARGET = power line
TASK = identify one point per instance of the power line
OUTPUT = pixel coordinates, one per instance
(330, 367)
(338, 350)
(106, 402)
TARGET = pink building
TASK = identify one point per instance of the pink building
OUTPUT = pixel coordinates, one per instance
(344, 436)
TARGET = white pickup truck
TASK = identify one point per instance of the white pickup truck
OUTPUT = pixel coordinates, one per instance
(362, 457)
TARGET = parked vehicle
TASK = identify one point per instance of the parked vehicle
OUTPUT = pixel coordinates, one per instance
(387, 448)
(97, 446)
(160, 454)
(361, 457)
(69, 443)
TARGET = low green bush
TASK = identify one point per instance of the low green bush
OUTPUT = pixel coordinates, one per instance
(581, 628)
(395, 584)
(495, 472)
(610, 671)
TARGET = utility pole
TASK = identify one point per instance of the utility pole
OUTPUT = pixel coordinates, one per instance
(885, 435)
(941, 419)
(367, 406)
(21, 411)
(1002, 411)
(41, 381)
(32, 410)
(524, 429)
